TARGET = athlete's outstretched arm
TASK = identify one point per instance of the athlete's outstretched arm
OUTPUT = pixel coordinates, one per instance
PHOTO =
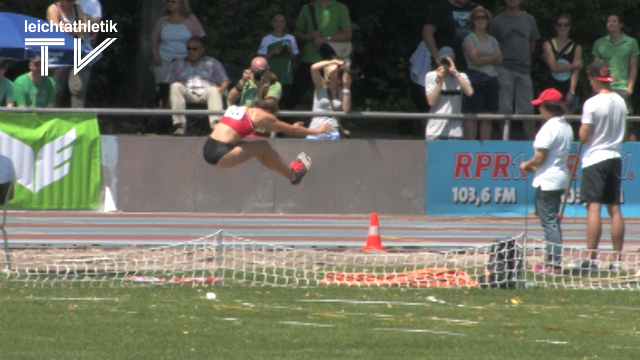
(294, 130)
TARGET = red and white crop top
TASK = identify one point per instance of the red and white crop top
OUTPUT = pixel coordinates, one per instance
(237, 118)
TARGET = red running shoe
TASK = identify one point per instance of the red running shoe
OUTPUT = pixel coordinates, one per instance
(300, 166)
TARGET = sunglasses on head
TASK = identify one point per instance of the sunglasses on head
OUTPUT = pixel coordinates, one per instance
(563, 24)
(480, 17)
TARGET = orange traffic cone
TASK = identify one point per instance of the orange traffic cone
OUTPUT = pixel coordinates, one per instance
(373, 239)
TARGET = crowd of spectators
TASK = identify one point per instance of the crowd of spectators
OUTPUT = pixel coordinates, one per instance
(469, 61)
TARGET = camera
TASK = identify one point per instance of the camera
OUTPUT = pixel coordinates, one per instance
(258, 74)
(445, 62)
(355, 74)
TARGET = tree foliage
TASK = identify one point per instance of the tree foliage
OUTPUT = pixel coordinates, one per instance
(386, 32)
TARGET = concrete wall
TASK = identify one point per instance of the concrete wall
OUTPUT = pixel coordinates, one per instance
(168, 174)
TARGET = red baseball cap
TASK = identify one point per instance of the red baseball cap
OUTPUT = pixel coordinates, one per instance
(550, 94)
(599, 70)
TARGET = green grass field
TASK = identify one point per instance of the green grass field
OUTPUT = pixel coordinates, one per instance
(251, 322)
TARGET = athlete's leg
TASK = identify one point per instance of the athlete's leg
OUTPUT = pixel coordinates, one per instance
(260, 150)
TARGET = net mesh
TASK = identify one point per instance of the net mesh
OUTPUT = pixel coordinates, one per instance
(517, 262)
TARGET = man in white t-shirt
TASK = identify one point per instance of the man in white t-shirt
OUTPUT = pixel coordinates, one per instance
(444, 88)
(602, 132)
(549, 162)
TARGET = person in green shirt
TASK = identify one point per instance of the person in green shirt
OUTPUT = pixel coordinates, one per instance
(6, 86)
(34, 90)
(334, 24)
(620, 51)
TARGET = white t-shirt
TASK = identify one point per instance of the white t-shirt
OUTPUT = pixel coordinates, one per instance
(448, 104)
(7, 170)
(555, 136)
(270, 39)
(608, 115)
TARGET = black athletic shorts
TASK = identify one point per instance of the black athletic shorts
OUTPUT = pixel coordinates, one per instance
(600, 182)
(214, 150)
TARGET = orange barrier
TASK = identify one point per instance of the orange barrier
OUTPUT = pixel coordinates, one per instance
(428, 277)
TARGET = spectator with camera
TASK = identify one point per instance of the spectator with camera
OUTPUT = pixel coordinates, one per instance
(330, 22)
(196, 79)
(332, 84)
(281, 51)
(444, 88)
(256, 80)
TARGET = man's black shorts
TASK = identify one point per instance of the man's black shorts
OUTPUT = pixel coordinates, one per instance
(601, 182)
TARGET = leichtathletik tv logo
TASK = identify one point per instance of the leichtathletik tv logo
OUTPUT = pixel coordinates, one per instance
(79, 62)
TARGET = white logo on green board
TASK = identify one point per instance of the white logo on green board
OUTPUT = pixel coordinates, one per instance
(51, 164)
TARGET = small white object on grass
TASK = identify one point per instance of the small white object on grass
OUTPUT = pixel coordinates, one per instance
(211, 296)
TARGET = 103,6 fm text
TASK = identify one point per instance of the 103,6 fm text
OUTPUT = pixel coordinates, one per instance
(486, 195)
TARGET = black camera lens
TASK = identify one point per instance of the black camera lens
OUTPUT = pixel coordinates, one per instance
(257, 74)
(445, 62)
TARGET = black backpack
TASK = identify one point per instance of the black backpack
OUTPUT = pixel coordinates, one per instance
(504, 263)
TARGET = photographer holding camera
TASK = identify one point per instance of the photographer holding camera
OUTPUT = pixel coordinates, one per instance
(444, 88)
(256, 80)
(331, 92)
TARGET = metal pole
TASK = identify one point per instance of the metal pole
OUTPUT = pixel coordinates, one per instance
(506, 129)
(523, 265)
(218, 257)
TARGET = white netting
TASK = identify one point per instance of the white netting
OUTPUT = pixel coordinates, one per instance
(511, 263)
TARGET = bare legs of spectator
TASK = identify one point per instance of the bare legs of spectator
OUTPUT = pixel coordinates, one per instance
(75, 85)
(180, 96)
(516, 89)
(485, 129)
(594, 228)
(471, 129)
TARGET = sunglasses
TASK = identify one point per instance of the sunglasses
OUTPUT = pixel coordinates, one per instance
(480, 17)
(563, 24)
(171, 1)
(193, 48)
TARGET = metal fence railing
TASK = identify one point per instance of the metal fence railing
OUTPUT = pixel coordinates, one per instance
(286, 113)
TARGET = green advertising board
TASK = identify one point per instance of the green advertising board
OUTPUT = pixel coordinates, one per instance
(56, 158)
